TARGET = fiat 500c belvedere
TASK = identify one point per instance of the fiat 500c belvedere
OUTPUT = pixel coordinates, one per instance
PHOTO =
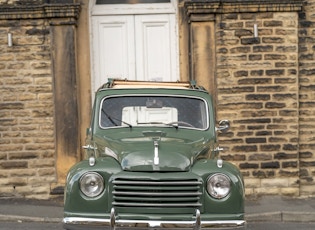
(152, 162)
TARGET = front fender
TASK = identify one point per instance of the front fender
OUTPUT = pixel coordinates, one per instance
(232, 203)
(74, 199)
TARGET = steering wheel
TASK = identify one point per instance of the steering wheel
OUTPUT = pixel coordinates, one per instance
(181, 123)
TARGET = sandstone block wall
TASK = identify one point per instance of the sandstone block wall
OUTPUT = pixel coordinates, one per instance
(38, 133)
(258, 90)
(27, 155)
(307, 98)
(266, 88)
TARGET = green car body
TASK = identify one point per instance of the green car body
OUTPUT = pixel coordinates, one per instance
(152, 162)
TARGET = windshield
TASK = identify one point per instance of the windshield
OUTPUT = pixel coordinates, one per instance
(148, 110)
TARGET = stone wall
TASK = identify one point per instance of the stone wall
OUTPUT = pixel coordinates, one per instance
(37, 80)
(307, 98)
(264, 87)
(27, 156)
(258, 91)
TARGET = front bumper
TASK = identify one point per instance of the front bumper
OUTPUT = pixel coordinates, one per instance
(76, 223)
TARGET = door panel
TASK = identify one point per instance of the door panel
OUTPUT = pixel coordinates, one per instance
(135, 47)
(154, 49)
(114, 48)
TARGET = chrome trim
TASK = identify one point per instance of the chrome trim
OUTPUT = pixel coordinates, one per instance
(198, 220)
(158, 193)
(175, 205)
(92, 161)
(144, 182)
(219, 163)
(156, 152)
(112, 219)
(112, 223)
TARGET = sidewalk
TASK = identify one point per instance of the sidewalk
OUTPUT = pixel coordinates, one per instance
(30, 210)
(267, 208)
(277, 208)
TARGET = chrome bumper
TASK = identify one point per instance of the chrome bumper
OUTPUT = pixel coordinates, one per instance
(75, 223)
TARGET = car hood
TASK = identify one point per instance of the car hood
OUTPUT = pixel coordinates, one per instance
(156, 151)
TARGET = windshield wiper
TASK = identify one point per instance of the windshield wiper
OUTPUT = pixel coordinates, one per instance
(116, 119)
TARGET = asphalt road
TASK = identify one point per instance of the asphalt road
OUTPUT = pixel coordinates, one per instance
(250, 226)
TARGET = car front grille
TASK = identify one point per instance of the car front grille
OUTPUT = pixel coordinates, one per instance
(159, 194)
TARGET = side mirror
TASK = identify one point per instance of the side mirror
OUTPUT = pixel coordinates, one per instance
(224, 126)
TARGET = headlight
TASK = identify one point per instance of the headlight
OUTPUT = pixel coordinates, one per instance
(219, 185)
(91, 184)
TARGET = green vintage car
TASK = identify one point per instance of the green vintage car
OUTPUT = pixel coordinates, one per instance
(152, 162)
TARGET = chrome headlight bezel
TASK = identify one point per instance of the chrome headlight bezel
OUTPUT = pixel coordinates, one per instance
(219, 185)
(91, 184)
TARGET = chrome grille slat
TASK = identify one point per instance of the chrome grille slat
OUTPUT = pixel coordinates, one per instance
(157, 182)
(168, 188)
(157, 194)
(157, 199)
(157, 204)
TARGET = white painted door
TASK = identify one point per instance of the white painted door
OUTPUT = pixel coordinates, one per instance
(113, 48)
(155, 47)
(134, 47)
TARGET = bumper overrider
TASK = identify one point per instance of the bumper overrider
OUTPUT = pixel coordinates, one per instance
(74, 223)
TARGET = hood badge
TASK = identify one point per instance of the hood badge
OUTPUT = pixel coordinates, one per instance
(156, 152)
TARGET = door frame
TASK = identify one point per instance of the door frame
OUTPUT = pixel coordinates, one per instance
(119, 9)
(129, 9)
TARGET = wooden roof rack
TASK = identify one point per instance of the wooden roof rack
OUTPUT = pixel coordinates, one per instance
(119, 83)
